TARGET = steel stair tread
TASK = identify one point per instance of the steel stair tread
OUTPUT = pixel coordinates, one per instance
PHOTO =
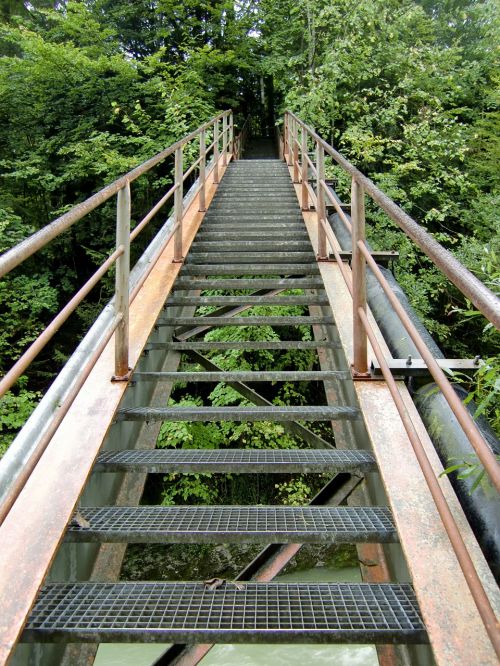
(259, 612)
(264, 299)
(225, 524)
(240, 414)
(256, 283)
(244, 321)
(249, 345)
(243, 376)
(236, 460)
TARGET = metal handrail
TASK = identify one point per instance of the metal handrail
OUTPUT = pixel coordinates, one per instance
(469, 285)
(484, 299)
(121, 187)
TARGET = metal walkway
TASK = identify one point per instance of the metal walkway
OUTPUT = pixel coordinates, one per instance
(187, 612)
(254, 238)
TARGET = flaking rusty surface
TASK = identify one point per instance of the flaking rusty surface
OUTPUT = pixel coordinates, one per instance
(39, 516)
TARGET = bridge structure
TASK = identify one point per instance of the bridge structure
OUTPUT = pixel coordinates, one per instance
(255, 232)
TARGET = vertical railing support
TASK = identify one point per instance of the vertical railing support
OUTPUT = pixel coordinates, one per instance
(305, 170)
(203, 158)
(216, 151)
(178, 206)
(123, 207)
(224, 141)
(290, 141)
(285, 137)
(320, 203)
(295, 152)
(360, 355)
(231, 134)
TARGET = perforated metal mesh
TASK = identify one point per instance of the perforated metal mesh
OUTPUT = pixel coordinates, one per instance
(237, 460)
(271, 414)
(259, 613)
(235, 523)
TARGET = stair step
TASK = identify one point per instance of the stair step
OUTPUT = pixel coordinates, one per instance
(241, 245)
(270, 461)
(247, 345)
(223, 215)
(243, 225)
(244, 376)
(256, 283)
(205, 234)
(260, 612)
(235, 207)
(279, 301)
(244, 321)
(230, 524)
(238, 414)
(251, 269)
(248, 257)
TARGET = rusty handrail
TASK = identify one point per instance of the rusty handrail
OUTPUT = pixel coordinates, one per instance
(478, 293)
(121, 187)
(482, 297)
(39, 239)
(359, 288)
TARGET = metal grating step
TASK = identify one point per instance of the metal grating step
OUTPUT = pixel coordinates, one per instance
(269, 461)
(241, 414)
(247, 345)
(235, 257)
(212, 235)
(242, 376)
(251, 269)
(306, 299)
(244, 321)
(259, 612)
(241, 245)
(234, 524)
(256, 283)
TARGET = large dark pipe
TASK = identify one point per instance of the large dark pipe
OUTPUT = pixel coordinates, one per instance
(482, 506)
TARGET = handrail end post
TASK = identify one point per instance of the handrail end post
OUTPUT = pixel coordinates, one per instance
(178, 258)
(123, 212)
(360, 341)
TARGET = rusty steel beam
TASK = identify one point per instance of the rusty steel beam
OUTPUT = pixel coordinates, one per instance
(473, 581)
(456, 631)
(38, 517)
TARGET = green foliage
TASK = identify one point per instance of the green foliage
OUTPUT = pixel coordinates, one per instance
(15, 408)
(471, 468)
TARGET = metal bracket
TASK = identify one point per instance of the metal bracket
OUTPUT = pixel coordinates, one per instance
(383, 257)
(361, 376)
(416, 367)
(178, 261)
(122, 378)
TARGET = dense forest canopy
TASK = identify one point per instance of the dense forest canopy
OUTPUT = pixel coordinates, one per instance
(406, 89)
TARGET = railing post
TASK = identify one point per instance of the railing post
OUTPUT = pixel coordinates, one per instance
(285, 136)
(203, 158)
(178, 196)
(216, 151)
(305, 170)
(295, 152)
(123, 206)
(290, 140)
(320, 203)
(224, 141)
(360, 359)
(231, 133)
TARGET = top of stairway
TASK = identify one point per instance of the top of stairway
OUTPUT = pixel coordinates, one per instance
(260, 148)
